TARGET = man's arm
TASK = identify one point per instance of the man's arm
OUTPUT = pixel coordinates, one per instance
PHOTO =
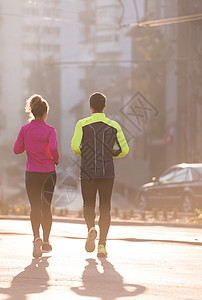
(122, 143)
(76, 140)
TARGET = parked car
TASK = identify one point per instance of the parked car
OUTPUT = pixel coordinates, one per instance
(180, 187)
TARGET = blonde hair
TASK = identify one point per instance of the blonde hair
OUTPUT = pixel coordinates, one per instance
(36, 106)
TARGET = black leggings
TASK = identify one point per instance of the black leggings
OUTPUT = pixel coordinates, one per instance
(40, 187)
(89, 190)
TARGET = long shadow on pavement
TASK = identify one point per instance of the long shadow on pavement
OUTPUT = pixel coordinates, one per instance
(108, 285)
(33, 280)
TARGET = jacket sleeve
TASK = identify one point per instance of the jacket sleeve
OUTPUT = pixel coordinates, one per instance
(76, 140)
(19, 146)
(122, 143)
(53, 145)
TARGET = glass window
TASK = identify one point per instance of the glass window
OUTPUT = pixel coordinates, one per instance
(189, 175)
(168, 177)
(180, 175)
(197, 173)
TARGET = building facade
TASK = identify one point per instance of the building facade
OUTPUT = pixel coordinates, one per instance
(168, 71)
(30, 40)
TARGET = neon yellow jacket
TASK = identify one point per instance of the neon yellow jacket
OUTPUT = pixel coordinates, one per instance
(97, 140)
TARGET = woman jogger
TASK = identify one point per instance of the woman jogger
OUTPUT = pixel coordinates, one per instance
(39, 140)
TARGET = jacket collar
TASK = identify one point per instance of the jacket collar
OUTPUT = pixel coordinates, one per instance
(97, 115)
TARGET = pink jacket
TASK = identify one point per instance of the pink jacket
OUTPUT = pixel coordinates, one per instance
(40, 142)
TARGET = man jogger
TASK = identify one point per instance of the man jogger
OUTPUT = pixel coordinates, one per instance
(97, 140)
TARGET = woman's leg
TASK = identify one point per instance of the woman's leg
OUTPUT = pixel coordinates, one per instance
(34, 187)
(49, 182)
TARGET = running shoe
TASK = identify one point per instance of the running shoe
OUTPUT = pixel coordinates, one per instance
(101, 252)
(37, 243)
(90, 241)
(46, 247)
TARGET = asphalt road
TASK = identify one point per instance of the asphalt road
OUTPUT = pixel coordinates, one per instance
(143, 263)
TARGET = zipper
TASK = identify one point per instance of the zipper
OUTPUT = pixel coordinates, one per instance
(103, 162)
(94, 134)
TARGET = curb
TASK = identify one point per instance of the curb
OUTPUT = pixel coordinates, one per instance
(119, 223)
(161, 241)
(113, 222)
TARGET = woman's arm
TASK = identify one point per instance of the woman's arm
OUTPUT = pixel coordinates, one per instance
(53, 145)
(19, 146)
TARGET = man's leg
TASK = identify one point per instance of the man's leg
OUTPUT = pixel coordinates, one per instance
(89, 190)
(105, 186)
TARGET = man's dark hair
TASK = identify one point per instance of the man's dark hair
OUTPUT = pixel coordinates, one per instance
(97, 102)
